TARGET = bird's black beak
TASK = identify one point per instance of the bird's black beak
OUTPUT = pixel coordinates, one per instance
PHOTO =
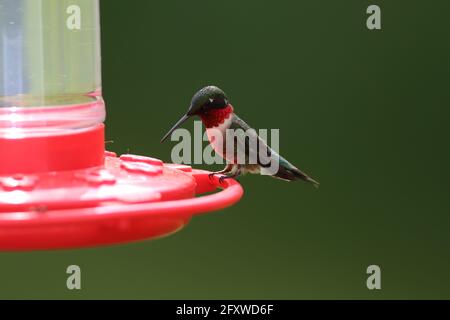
(179, 123)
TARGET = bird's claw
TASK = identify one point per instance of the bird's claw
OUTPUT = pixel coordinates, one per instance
(222, 179)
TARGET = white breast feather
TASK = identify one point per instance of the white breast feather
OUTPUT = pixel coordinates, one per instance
(219, 130)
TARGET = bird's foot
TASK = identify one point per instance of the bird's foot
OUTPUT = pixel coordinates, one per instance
(232, 176)
(222, 178)
(224, 171)
(212, 174)
(228, 172)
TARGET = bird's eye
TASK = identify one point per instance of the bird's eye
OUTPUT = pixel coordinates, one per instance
(216, 102)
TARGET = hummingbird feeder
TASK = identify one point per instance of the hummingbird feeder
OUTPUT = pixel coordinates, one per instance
(59, 188)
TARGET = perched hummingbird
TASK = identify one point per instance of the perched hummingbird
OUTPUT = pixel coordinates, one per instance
(211, 104)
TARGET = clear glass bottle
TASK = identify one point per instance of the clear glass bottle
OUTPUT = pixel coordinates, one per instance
(50, 77)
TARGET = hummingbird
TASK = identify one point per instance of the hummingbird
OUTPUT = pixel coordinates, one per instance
(212, 105)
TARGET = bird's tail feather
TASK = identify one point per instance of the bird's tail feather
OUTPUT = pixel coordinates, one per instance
(287, 171)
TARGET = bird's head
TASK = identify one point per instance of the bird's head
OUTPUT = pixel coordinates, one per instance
(204, 101)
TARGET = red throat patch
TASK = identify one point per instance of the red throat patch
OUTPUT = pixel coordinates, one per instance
(214, 117)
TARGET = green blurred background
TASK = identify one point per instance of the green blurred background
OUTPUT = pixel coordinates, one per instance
(365, 112)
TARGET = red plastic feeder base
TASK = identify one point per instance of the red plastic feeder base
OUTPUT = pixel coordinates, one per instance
(128, 198)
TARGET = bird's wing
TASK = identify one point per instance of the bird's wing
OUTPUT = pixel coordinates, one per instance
(238, 123)
(257, 148)
(266, 158)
